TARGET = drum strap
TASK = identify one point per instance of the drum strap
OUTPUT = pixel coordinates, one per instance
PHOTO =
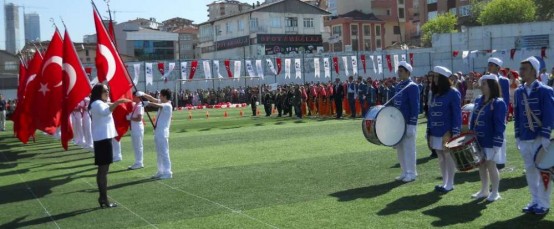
(530, 115)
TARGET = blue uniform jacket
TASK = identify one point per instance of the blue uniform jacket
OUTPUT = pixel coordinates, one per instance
(490, 124)
(505, 88)
(362, 90)
(445, 114)
(408, 101)
(541, 103)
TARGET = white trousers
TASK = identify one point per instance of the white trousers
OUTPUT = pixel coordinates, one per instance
(116, 150)
(137, 137)
(77, 123)
(87, 134)
(3, 120)
(406, 150)
(539, 194)
(501, 158)
(162, 149)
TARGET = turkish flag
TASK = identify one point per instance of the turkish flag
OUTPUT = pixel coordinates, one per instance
(26, 127)
(193, 66)
(389, 63)
(110, 68)
(46, 101)
(228, 68)
(75, 87)
(411, 58)
(336, 64)
(279, 65)
(512, 53)
(362, 57)
(20, 90)
(161, 68)
(455, 53)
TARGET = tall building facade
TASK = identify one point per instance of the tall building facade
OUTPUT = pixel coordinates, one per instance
(32, 27)
(12, 28)
(224, 8)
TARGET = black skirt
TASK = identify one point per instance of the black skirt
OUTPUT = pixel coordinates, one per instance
(103, 152)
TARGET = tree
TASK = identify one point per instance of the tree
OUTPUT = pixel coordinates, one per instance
(545, 10)
(507, 12)
(444, 23)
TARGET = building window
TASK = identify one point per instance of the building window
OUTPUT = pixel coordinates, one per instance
(86, 52)
(217, 30)
(401, 2)
(367, 44)
(337, 30)
(276, 22)
(388, 12)
(401, 13)
(378, 30)
(431, 1)
(367, 30)
(378, 44)
(396, 30)
(431, 15)
(354, 31)
(10, 65)
(228, 27)
(240, 25)
(292, 22)
(308, 22)
(453, 11)
(254, 23)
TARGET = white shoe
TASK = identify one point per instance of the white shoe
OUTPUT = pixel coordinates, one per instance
(401, 177)
(135, 166)
(493, 197)
(116, 160)
(157, 176)
(479, 195)
(409, 178)
(165, 176)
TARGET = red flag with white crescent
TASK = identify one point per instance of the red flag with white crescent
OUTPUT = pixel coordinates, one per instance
(22, 78)
(362, 57)
(193, 66)
(279, 65)
(389, 63)
(336, 64)
(46, 115)
(75, 87)
(161, 68)
(228, 68)
(26, 127)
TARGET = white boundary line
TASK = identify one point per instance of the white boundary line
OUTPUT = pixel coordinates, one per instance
(210, 201)
(35, 196)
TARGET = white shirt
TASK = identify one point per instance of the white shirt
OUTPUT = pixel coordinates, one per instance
(544, 78)
(103, 126)
(163, 120)
(138, 110)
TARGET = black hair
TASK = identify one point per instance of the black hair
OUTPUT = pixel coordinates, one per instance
(167, 93)
(494, 89)
(442, 87)
(96, 94)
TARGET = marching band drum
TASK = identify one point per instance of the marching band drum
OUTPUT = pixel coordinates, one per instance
(465, 151)
(384, 125)
(544, 158)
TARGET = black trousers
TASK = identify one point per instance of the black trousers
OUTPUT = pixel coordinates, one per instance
(267, 108)
(338, 106)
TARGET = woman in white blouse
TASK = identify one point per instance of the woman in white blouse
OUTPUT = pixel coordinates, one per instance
(103, 130)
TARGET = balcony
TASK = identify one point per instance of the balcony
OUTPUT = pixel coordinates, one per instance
(258, 29)
(291, 30)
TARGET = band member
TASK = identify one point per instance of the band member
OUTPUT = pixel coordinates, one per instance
(494, 68)
(77, 124)
(351, 91)
(362, 92)
(444, 121)
(407, 101)
(161, 132)
(488, 123)
(137, 132)
(337, 96)
(533, 122)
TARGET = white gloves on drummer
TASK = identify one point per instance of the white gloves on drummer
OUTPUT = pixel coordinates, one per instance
(139, 93)
(545, 142)
(411, 130)
(145, 103)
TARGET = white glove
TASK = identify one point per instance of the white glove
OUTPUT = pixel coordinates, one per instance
(411, 130)
(145, 103)
(545, 143)
(128, 117)
(139, 93)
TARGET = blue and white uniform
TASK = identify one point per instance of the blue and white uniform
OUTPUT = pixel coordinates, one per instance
(489, 124)
(445, 114)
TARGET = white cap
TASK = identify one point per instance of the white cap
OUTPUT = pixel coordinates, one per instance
(535, 63)
(406, 66)
(442, 71)
(488, 77)
(496, 61)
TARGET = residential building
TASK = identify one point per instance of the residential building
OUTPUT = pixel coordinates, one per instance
(355, 31)
(9, 71)
(224, 8)
(188, 36)
(282, 27)
(12, 28)
(32, 27)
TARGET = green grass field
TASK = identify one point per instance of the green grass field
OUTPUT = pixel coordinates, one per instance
(252, 173)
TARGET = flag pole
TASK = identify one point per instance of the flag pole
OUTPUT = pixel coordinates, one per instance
(133, 83)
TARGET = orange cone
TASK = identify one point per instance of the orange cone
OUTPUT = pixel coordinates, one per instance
(274, 111)
(258, 112)
(225, 114)
(190, 115)
(241, 113)
(207, 114)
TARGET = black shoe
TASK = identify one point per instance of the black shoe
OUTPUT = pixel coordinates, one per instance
(106, 204)
(500, 166)
(433, 155)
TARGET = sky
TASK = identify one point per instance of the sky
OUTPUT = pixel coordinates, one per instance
(77, 14)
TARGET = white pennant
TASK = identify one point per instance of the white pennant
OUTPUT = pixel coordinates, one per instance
(380, 64)
(259, 69)
(317, 73)
(183, 72)
(345, 63)
(236, 74)
(396, 63)
(137, 73)
(403, 57)
(250, 69)
(169, 70)
(207, 70)
(354, 60)
(327, 68)
(287, 68)
(373, 62)
(216, 69)
(465, 54)
(271, 66)
(149, 74)
(298, 68)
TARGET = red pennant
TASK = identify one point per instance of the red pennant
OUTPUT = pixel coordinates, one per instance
(512, 53)
(26, 127)
(389, 63)
(411, 58)
(279, 65)
(455, 53)
(22, 78)
(336, 64)
(75, 87)
(161, 68)
(46, 116)
(543, 52)
(545, 177)
(228, 68)
(362, 57)
(193, 66)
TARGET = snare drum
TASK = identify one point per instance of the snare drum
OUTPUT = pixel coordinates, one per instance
(384, 125)
(465, 151)
(466, 116)
(544, 159)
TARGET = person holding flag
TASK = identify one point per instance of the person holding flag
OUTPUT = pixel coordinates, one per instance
(137, 132)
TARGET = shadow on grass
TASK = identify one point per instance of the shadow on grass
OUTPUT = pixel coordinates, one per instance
(206, 129)
(20, 223)
(513, 183)
(463, 177)
(456, 214)
(420, 161)
(523, 221)
(40, 188)
(411, 203)
(366, 192)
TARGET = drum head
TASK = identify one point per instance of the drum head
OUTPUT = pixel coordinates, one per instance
(390, 126)
(460, 141)
(544, 159)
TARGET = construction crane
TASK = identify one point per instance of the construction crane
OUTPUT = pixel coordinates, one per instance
(115, 12)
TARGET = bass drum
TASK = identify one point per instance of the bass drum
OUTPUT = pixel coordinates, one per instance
(544, 158)
(384, 125)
